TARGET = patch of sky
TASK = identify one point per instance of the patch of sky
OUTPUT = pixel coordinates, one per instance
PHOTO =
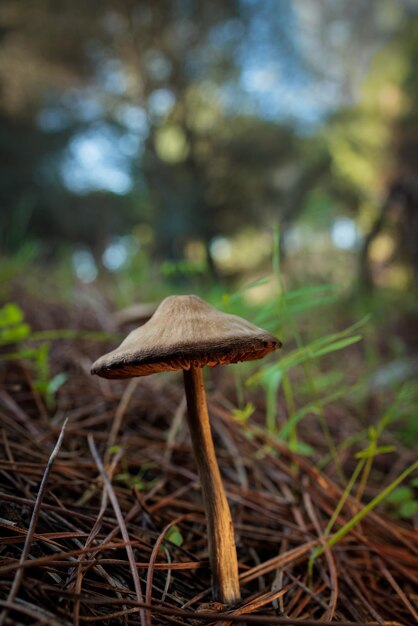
(118, 252)
(273, 73)
(133, 117)
(220, 248)
(161, 102)
(344, 233)
(115, 256)
(129, 144)
(111, 76)
(99, 159)
(84, 265)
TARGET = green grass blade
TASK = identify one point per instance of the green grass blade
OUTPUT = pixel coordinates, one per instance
(344, 530)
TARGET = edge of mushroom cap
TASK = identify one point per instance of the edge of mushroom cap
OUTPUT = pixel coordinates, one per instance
(126, 361)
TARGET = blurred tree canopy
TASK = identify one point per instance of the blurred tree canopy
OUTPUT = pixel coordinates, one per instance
(198, 120)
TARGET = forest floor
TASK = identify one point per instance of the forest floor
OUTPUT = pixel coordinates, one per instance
(101, 514)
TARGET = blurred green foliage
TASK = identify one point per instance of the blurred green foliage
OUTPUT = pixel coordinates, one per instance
(185, 127)
(16, 335)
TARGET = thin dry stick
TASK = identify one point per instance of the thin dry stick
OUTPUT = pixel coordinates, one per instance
(120, 412)
(234, 453)
(34, 520)
(329, 557)
(93, 533)
(278, 578)
(174, 428)
(48, 620)
(399, 591)
(258, 602)
(113, 582)
(291, 556)
(153, 558)
(51, 558)
(128, 517)
(14, 468)
(22, 417)
(355, 589)
(278, 561)
(205, 616)
(124, 532)
(169, 575)
(309, 592)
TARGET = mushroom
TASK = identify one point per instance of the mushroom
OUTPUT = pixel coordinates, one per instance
(187, 333)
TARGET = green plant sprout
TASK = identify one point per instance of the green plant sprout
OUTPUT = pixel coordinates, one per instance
(273, 375)
(401, 500)
(14, 330)
(174, 536)
(356, 519)
(35, 347)
(243, 415)
(129, 479)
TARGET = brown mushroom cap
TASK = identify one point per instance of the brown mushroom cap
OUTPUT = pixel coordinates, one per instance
(185, 331)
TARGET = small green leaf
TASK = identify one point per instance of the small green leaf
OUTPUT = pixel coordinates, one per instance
(14, 334)
(371, 451)
(408, 509)
(337, 345)
(55, 383)
(11, 314)
(12, 326)
(242, 415)
(114, 449)
(174, 535)
(124, 477)
(136, 481)
(26, 353)
(352, 523)
(42, 363)
(300, 447)
(400, 495)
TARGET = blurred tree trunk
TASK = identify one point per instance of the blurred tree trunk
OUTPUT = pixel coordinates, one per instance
(365, 274)
(402, 199)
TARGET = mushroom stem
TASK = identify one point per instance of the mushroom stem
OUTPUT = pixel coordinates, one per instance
(222, 551)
